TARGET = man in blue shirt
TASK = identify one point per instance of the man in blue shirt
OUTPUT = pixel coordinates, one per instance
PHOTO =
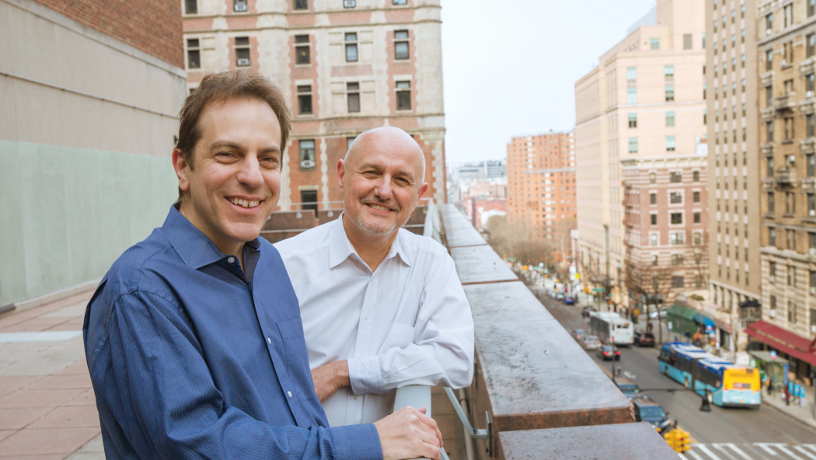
(193, 338)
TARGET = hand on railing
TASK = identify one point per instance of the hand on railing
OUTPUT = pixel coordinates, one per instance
(415, 396)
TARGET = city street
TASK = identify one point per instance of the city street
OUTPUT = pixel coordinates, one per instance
(723, 433)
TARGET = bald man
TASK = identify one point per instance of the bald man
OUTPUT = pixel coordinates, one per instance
(382, 307)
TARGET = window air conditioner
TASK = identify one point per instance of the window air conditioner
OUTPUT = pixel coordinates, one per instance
(812, 212)
(813, 328)
(813, 251)
(809, 94)
(772, 313)
(813, 290)
(307, 164)
(240, 7)
(784, 62)
(243, 62)
(772, 279)
(791, 158)
(768, 31)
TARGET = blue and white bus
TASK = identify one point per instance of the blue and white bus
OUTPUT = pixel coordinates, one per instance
(727, 384)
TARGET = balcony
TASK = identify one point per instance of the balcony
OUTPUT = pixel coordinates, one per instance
(766, 79)
(785, 177)
(808, 184)
(767, 113)
(767, 148)
(785, 102)
(806, 67)
(806, 145)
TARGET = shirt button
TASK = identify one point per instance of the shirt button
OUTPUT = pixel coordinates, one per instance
(289, 393)
(269, 341)
(231, 260)
(354, 398)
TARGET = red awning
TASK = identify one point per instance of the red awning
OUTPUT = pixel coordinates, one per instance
(784, 341)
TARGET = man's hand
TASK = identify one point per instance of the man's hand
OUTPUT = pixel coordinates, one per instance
(409, 433)
(329, 378)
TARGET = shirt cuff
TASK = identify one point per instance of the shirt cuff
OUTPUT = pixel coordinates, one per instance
(365, 375)
(356, 442)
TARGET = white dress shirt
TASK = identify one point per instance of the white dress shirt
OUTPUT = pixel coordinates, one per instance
(408, 323)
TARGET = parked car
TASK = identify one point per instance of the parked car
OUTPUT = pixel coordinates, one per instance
(578, 334)
(569, 300)
(591, 342)
(647, 410)
(663, 313)
(644, 339)
(586, 311)
(559, 296)
(608, 352)
(627, 387)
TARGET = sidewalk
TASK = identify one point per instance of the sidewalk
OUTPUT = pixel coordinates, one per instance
(803, 414)
(47, 405)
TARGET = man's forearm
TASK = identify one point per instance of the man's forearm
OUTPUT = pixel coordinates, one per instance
(329, 378)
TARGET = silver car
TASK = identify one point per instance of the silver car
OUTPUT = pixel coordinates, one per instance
(591, 342)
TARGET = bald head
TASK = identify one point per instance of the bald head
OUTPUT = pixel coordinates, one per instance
(388, 139)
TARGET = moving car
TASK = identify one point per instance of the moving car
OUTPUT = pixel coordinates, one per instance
(591, 342)
(627, 387)
(647, 410)
(608, 352)
(586, 311)
(559, 295)
(569, 300)
(644, 339)
(578, 334)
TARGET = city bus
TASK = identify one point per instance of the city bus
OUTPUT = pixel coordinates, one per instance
(611, 328)
(728, 384)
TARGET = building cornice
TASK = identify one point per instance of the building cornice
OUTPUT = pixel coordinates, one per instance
(789, 31)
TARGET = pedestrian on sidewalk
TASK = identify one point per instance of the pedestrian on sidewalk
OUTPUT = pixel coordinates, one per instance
(787, 393)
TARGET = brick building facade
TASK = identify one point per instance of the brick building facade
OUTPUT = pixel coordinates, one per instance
(345, 65)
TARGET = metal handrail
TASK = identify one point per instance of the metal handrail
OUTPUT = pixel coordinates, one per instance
(416, 396)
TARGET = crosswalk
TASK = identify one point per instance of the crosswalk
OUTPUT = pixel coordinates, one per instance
(752, 451)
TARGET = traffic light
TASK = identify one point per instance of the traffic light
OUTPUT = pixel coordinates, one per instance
(682, 440)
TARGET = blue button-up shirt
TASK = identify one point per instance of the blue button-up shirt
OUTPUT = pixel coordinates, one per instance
(191, 357)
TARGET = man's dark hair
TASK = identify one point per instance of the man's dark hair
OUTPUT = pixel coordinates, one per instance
(217, 89)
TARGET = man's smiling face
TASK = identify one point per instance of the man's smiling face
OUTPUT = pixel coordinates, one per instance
(234, 182)
(382, 180)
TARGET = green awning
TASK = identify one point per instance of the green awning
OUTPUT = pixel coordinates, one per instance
(681, 312)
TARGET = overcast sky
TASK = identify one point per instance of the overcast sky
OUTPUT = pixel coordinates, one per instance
(510, 66)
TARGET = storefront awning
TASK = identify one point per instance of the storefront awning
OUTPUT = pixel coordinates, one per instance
(707, 322)
(681, 311)
(787, 342)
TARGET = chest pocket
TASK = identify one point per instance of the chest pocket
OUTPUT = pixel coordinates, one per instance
(297, 358)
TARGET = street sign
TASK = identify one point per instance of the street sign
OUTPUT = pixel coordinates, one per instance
(772, 354)
(598, 290)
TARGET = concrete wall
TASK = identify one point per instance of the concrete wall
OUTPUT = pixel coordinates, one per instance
(86, 130)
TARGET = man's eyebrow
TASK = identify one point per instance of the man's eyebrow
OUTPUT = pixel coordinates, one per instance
(236, 146)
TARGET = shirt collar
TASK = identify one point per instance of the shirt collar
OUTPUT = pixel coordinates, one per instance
(340, 248)
(193, 246)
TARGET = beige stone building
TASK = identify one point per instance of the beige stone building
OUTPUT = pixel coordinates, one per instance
(731, 90)
(787, 74)
(541, 184)
(345, 65)
(643, 108)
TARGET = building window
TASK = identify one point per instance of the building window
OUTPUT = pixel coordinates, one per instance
(675, 177)
(686, 41)
(669, 93)
(769, 24)
(791, 275)
(302, 50)
(771, 236)
(676, 218)
(655, 43)
(669, 118)
(810, 160)
(697, 240)
(668, 71)
(349, 141)
(631, 95)
(789, 129)
(769, 60)
(242, 51)
(809, 83)
(400, 2)
(811, 44)
(811, 7)
(308, 200)
(769, 131)
(349, 3)
(191, 7)
(653, 239)
(654, 257)
(652, 178)
(695, 196)
(304, 99)
(403, 95)
(677, 238)
(675, 198)
(677, 281)
(790, 239)
(697, 217)
(771, 268)
(653, 198)
(811, 204)
(633, 145)
(193, 54)
(771, 203)
(633, 120)
(705, 111)
(810, 124)
(670, 144)
(653, 218)
(307, 153)
(677, 259)
(631, 73)
(239, 6)
(351, 47)
(401, 44)
(353, 97)
(790, 203)
(301, 5)
(769, 170)
(695, 176)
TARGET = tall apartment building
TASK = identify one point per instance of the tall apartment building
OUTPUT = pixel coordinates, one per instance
(640, 152)
(89, 98)
(345, 65)
(733, 164)
(787, 79)
(541, 184)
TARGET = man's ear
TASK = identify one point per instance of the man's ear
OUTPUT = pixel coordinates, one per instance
(341, 172)
(422, 191)
(182, 168)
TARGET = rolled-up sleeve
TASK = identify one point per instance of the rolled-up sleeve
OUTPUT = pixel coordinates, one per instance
(442, 351)
(150, 369)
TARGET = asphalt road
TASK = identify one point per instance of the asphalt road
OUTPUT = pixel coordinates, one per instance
(744, 429)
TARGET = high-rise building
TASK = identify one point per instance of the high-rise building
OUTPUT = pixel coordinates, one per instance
(89, 97)
(787, 168)
(541, 184)
(345, 65)
(640, 152)
(733, 164)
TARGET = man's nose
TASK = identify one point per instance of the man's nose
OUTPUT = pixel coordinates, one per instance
(250, 172)
(383, 188)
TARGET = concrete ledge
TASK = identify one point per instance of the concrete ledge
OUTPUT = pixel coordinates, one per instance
(35, 302)
(632, 441)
